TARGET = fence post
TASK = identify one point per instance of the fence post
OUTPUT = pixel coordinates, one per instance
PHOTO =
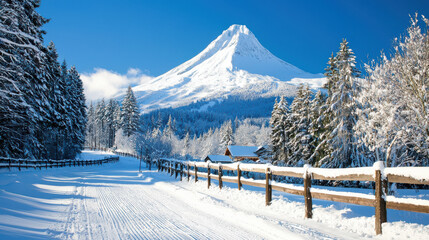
(187, 168)
(208, 175)
(220, 176)
(239, 176)
(172, 168)
(196, 172)
(307, 193)
(169, 167)
(181, 171)
(268, 189)
(176, 170)
(380, 202)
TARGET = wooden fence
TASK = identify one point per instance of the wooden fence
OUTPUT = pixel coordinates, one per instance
(45, 163)
(378, 174)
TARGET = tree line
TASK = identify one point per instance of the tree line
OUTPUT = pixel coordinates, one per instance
(42, 104)
(109, 123)
(357, 121)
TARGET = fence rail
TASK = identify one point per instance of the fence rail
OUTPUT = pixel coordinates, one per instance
(378, 174)
(48, 163)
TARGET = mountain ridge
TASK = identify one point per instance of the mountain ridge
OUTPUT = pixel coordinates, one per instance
(234, 64)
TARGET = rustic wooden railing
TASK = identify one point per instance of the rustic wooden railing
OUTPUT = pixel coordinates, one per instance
(378, 174)
(48, 163)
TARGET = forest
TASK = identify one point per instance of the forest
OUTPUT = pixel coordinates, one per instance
(42, 104)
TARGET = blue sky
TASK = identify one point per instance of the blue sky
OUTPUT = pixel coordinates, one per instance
(155, 36)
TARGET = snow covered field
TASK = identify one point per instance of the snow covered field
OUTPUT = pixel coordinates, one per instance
(114, 201)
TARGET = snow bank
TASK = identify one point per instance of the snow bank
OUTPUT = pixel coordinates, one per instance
(416, 201)
(418, 173)
(330, 172)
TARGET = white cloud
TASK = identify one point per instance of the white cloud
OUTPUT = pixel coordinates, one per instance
(133, 71)
(103, 83)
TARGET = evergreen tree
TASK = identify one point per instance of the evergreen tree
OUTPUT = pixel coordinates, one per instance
(110, 119)
(100, 111)
(169, 129)
(52, 134)
(186, 144)
(91, 127)
(300, 143)
(227, 134)
(317, 128)
(342, 87)
(130, 114)
(79, 117)
(280, 123)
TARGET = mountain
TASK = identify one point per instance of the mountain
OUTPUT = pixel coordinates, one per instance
(234, 64)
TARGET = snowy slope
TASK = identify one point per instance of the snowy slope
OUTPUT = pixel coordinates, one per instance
(114, 201)
(235, 63)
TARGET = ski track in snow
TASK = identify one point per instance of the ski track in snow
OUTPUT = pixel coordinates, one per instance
(106, 212)
(113, 201)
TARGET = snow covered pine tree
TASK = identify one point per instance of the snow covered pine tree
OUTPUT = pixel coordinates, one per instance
(130, 114)
(342, 76)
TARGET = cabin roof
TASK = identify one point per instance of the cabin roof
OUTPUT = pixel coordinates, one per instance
(242, 151)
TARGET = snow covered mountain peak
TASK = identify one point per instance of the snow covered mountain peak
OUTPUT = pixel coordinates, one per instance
(235, 63)
(237, 29)
(236, 40)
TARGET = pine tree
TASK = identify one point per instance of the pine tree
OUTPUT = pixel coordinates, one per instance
(169, 128)
(227, 134)
(342, 85)
(91, 127)
(186, 144)
(110, 119)
(79, 117)
(130, 115)
(300, 143)
(280, 123)
(331, 74)
(317, 128)
(55, 127)
(100, 111)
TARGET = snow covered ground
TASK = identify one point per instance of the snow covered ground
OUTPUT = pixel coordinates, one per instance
(114, 201)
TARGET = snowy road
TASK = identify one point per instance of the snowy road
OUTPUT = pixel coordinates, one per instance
(115, 202)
